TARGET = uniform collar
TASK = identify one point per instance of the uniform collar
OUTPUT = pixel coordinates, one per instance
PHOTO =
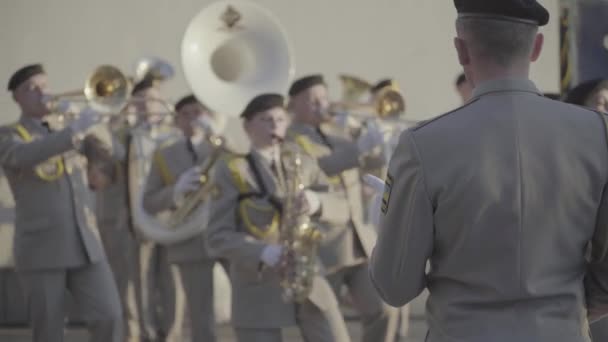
(33, 123)
(266, 155)
(505, 85)
(303, 128)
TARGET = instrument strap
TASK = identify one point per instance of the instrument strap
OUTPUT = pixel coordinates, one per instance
(263, 193)
(130, 222)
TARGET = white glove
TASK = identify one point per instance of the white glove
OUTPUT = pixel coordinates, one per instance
(187, 182)
(377, 185)
(207, 124)
(86, 118)
(314, 203)
(271, 255)
(341, 119)
(372, 138)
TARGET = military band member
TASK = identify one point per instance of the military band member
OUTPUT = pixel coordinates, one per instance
(349, 240)
(499, 199)
(174, 173)
(592, 94)
(108, 180)
(244, 228)
(56, 244)
(162, 302)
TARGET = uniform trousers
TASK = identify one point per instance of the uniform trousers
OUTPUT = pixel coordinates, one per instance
(121, 250)
(380, 322)
(95, 296)
(197, 280)
(161, 296)
(315, 326)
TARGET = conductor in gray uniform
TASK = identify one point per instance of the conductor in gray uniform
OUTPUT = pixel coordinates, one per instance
(56, 244)
(505, 196)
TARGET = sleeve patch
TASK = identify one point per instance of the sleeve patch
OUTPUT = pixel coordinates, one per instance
(386, 197)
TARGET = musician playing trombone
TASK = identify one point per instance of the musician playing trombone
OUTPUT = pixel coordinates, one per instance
(175, 172)
(349, 241)
(56, 245)
(246, 225)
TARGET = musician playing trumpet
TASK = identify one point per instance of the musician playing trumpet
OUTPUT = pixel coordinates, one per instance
(246, 225)
(176, 172)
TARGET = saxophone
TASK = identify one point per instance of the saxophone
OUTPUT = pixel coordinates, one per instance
(299, 237)
(194, 199)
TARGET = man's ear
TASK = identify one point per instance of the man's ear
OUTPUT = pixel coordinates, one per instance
(462, 50)
(539, 41)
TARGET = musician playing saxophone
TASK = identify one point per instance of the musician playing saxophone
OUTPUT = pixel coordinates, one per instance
(176, 172)
(245, 227)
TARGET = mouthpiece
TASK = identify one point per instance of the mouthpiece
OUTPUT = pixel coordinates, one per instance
(277, 138)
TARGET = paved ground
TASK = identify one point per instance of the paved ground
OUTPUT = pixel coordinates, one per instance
(417, 331)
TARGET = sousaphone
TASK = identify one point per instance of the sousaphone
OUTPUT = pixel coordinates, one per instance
(233, 51)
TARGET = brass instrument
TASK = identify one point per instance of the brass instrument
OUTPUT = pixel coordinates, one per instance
(388, 103)
(154, 67)
(299, 237)
(194, 199)
(106, 90)
(235, 48)
(231, 52)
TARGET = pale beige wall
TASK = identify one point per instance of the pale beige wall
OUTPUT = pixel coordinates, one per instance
(408, 39)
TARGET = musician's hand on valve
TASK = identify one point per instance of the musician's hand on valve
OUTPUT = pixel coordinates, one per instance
(86, 118)
(377, 185)
(372, 138)
(187, 182)
(311, 201)
(271, 255)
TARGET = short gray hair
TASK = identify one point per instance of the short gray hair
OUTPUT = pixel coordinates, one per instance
(500, 42)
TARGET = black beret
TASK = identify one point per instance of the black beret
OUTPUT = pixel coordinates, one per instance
(146, 83)
(262, 103)
(382, 84)
(579, 94)
(304, 83)
(23, 75)
(186, 100)
(529, 11)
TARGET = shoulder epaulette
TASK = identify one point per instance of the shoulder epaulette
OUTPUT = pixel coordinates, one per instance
(426, 122)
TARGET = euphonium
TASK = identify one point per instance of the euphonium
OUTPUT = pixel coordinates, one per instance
(194, 199)
(299, 237)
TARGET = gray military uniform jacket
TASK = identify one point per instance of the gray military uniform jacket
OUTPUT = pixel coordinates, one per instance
(240, 227)
(168, 163)
(349, 241)
(503, 196)
(55, 225)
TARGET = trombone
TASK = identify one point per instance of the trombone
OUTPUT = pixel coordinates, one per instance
(106, 90)
(388, 104)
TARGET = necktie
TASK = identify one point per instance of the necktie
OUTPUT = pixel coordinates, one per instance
(323, 137)
(191, 150)
(46, 125)
(275, 172)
